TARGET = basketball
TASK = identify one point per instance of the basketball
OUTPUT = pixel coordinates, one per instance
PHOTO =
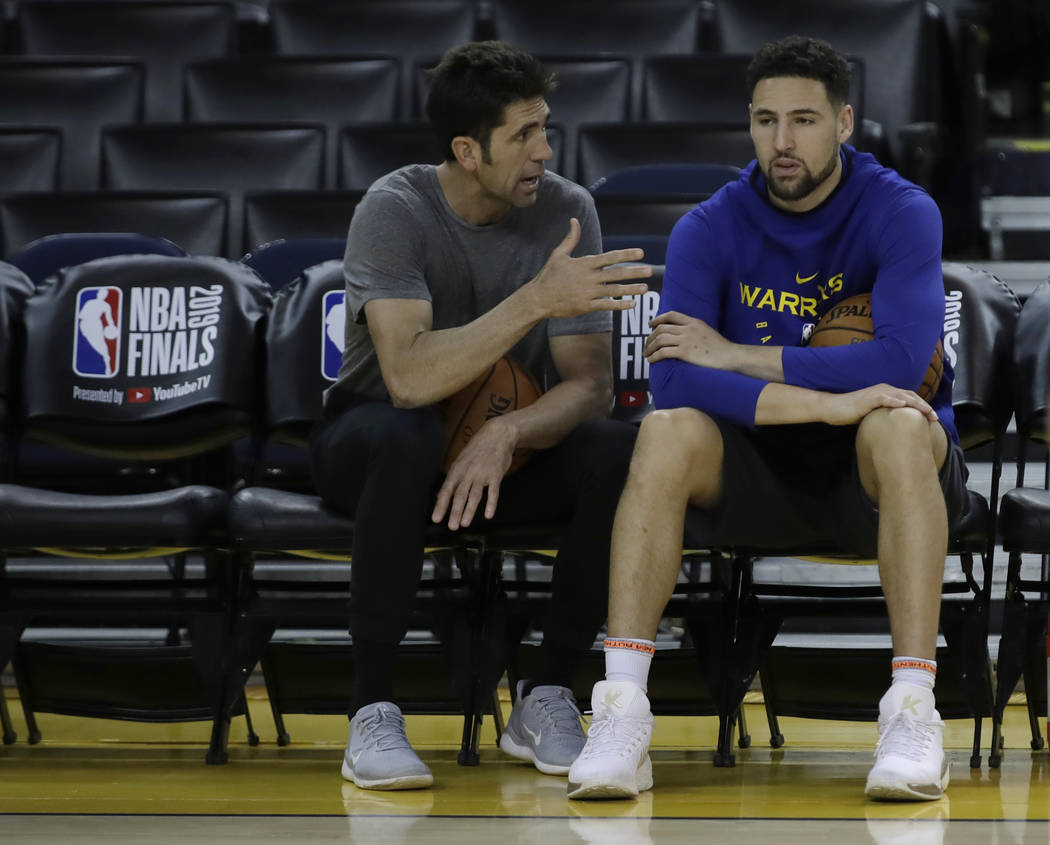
(110, 332)
(505, 386)
(850, 322)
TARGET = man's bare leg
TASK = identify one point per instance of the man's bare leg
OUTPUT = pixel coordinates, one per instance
(899, 453)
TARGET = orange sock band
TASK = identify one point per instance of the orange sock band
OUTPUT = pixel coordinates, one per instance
(912, 663)
(629, 645)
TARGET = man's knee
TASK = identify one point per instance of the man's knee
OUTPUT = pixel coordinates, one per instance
(893, 432)
(676, 443)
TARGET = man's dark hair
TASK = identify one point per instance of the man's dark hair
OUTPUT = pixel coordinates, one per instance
(474, 83)
(809, 58)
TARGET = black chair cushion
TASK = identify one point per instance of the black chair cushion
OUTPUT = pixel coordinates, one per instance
(1024, 520)
(185, 517)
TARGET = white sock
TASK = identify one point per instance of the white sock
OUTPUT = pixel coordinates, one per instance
(917, 671)
(628, 659)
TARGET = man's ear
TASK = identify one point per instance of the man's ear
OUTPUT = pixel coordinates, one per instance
(845, 123)
(467, 152)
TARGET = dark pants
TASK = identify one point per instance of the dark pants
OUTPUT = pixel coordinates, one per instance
(381, 465)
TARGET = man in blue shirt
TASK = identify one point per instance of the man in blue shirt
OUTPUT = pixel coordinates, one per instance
(775, 439)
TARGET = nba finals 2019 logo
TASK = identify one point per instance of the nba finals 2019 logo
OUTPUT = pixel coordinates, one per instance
(633, 365)
(333, 326)
(96, 332)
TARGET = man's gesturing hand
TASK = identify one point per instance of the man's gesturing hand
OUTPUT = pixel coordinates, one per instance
(568, 286)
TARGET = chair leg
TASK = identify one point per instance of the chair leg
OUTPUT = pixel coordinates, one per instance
(743, 739)
(724, 758)
(975, 752)
(273, 694)
(253, 737)
(497, 716)
(9, 735)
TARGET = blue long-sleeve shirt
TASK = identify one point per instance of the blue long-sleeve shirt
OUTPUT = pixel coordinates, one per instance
(761, 275)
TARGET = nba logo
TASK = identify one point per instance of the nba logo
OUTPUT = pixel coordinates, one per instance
(333, 324)
(96, 332)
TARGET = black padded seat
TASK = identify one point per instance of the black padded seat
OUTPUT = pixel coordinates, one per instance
(76, 96)
(185, 517)
(164, 36)
(1024, 521)
(30, 158)
(196, 221)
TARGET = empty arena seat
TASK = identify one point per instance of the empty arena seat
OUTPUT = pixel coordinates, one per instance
(49, 254)
(149, 361)
(164, 36)
(30, 158)
(273, 215)
(650, 180)
(367, 152)
(282, 261)
(233, 158)
(195, 221)
(637, 28)
(607, 148)
(415, 30)
(78, 97)
(332, 91)
(645, 221)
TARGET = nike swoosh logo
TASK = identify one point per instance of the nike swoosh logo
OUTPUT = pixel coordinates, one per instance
(801, 281)
(535, 737)
(353, 759)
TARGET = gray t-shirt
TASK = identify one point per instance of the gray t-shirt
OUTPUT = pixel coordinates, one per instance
(406, 242)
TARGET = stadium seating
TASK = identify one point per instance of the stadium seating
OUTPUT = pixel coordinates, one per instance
(164, 36)
(279, 262)
(636, 28)
(195, 221)
(303, 89)
(76, 96)
(640, 220)
(1025, 525)
(30, 158)
(608, 147)
(234, 158)
(415, 30)
(272, 215)
(161, 374)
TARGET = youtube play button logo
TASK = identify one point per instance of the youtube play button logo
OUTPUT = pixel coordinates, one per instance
(632, 398)
(139, 395)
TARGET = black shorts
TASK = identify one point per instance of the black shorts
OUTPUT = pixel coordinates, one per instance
(798, 487)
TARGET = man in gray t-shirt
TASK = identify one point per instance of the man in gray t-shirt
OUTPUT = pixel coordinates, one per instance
(449, 268)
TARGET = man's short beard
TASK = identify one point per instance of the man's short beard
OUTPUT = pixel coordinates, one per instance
(805, 185)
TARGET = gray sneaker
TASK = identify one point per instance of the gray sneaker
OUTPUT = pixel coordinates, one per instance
(378, 755)
(544, 727)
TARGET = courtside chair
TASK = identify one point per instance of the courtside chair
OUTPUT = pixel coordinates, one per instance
(980, 315)
(282, 261)
(1024, 525)
(30, 158)
(272, 89)
(635, 28)
(196, 221)
(76, 96)
(163, 36)
(279, 517)
(46, 256)
(232, 158)
(15, 289)
(414, 30)
(151, 362)
(292, 215)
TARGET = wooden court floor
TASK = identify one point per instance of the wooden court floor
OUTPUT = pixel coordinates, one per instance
(93, 781)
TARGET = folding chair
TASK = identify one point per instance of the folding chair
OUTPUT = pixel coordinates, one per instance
(280, 262)
(149, 361)
(1024, 527)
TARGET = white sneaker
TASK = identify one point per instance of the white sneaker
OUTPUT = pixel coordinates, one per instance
(615, 761)
(378, 754)
(910, 764)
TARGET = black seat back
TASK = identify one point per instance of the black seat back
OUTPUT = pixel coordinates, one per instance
(271, 215)
(77, 96)
(331, 91)
(29, 158)
(233, 158)
(1031, 361)
(165, 36)
(160, 350)
(195, 221)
